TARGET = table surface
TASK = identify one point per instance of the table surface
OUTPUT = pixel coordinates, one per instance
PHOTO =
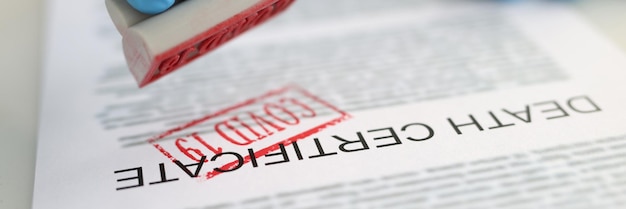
(21, 37)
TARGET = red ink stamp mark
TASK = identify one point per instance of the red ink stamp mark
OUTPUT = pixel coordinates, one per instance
(242, 133)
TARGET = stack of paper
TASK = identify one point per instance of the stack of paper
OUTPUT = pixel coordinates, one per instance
(341, 104)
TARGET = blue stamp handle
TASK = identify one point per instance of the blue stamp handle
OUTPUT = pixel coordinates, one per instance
(151, 6)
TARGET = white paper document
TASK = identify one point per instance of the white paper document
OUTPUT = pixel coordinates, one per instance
(341, 104)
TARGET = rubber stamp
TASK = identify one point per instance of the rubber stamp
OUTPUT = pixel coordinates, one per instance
(156, 45)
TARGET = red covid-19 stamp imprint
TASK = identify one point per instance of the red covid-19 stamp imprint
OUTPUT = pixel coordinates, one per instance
(240, 134)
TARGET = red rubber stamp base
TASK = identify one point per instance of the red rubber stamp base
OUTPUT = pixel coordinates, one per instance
(155, 46)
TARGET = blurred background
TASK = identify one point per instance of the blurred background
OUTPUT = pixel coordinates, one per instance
(22, 34)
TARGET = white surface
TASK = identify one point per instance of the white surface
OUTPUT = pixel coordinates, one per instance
(20, 33)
